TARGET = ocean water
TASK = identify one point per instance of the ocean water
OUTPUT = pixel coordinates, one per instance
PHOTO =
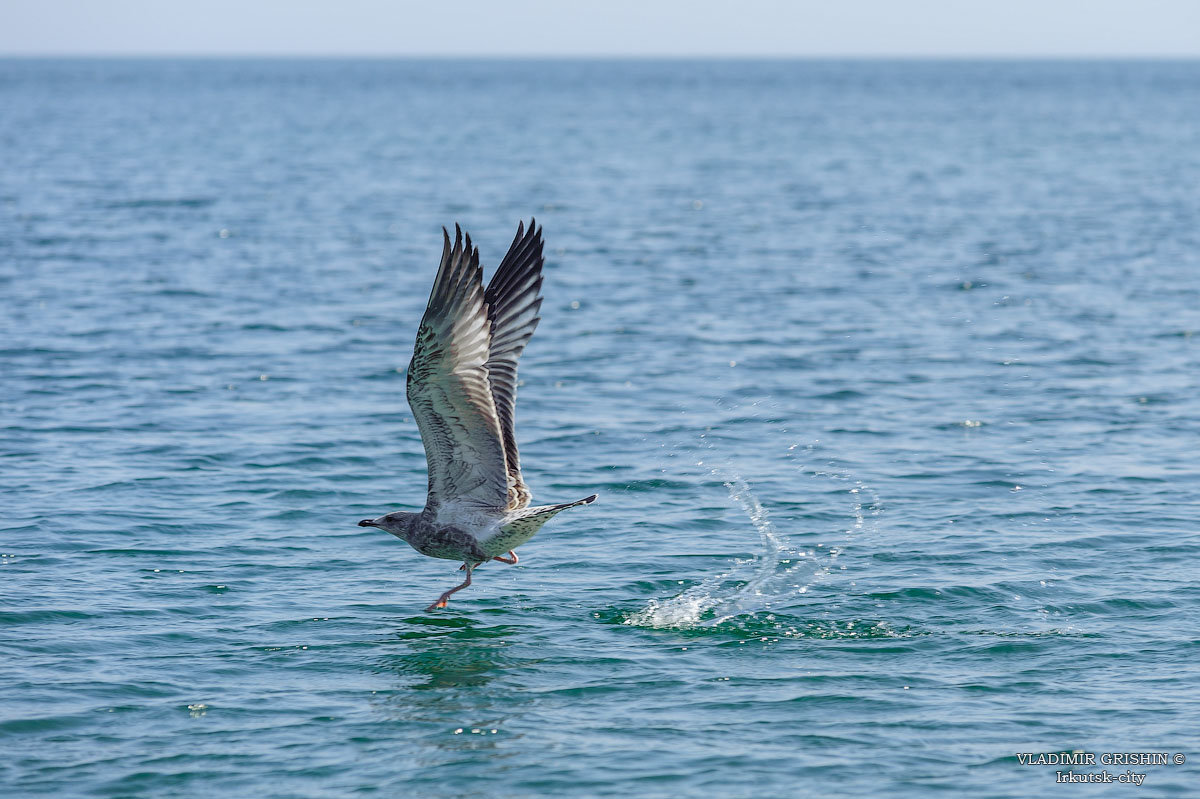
(885, 373)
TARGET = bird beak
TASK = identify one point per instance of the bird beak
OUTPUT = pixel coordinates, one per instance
(367, 523)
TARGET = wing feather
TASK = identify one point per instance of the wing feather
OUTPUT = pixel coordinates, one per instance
(513, 301)
(449, 389)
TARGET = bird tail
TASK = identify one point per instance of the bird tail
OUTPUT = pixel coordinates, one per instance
(545, 513)
(565, 505)
(532, 519)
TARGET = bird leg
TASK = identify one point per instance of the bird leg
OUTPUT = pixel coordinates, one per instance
(441, 603)
(510, 561)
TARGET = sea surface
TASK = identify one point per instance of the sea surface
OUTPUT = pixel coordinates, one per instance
(885, 372)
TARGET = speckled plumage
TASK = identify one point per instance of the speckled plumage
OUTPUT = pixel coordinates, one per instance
(462, 385)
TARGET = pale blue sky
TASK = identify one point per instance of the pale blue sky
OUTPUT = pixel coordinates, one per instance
(979, 28)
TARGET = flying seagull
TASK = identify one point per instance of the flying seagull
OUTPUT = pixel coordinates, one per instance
(462, 387)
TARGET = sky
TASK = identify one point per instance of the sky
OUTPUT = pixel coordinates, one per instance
(541, 28)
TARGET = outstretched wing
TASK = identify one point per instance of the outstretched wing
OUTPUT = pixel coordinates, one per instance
(513, 301)
(449, 392)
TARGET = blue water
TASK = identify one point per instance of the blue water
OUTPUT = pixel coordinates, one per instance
(886, 374)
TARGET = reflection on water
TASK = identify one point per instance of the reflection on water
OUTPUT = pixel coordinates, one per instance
(455, 677)
(453, 653)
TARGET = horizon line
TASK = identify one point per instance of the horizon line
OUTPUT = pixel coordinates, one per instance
(899, 56)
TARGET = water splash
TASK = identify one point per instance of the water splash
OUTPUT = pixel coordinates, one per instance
(772, 577)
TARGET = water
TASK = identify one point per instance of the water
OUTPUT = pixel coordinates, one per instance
(885, 374)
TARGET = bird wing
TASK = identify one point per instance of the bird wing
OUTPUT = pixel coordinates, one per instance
(449, 392)
(513, 300)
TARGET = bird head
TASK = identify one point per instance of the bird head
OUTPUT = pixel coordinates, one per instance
(395, 523)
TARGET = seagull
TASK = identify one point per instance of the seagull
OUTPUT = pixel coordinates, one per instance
(462, 388)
